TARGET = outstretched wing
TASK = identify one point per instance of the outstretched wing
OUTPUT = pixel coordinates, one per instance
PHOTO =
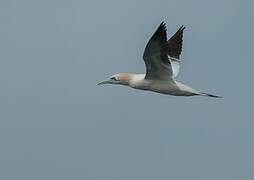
(155, 56)
(174, 44)
(174, 47)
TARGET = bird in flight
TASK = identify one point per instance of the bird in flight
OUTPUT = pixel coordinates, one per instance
(161, 57)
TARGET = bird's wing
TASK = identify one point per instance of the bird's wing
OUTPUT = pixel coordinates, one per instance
(174, 49)
(175, 63)
(155, 56)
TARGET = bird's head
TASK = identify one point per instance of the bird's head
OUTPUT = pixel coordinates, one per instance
(122, 78)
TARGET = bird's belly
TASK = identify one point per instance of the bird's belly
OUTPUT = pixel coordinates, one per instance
(163, 87)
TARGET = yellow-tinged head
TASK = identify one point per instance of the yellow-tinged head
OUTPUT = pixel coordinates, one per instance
(121, 78)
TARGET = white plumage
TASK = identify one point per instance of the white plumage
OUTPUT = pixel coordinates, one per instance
(161, 57)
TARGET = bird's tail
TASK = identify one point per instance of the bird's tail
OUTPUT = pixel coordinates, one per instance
(209, 95)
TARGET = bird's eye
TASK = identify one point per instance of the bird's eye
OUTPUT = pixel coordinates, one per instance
(113, 78)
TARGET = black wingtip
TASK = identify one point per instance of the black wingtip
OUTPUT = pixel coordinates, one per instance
(160, 33)
(181, 28)
(162, 26)
(162, 23)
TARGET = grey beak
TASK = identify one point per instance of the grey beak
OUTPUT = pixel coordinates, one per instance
(105, 82)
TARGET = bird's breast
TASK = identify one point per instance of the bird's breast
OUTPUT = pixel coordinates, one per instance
(165, 87)
(141, 84)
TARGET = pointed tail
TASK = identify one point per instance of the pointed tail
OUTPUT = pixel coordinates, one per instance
(209, 95)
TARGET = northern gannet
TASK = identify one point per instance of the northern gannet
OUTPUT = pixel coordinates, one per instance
(161, 57)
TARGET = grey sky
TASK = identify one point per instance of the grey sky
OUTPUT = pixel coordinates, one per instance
(57, 124)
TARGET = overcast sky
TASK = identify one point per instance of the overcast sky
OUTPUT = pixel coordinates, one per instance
(55, 123)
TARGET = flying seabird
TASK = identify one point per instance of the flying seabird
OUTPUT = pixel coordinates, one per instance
(161, 57)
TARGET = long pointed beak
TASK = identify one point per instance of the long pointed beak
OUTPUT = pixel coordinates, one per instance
(105, 82)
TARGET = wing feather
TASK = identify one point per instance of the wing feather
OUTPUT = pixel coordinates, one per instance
(161, 57)
(174, 44)
(174, 47)
(155, 56)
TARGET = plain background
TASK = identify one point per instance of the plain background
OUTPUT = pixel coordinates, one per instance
(55, 123)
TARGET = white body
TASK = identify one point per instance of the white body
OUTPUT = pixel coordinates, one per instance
(169, 87)
(161, 57)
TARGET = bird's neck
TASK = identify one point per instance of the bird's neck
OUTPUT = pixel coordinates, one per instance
(136, 79)
(128, 78)
(125, 78)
